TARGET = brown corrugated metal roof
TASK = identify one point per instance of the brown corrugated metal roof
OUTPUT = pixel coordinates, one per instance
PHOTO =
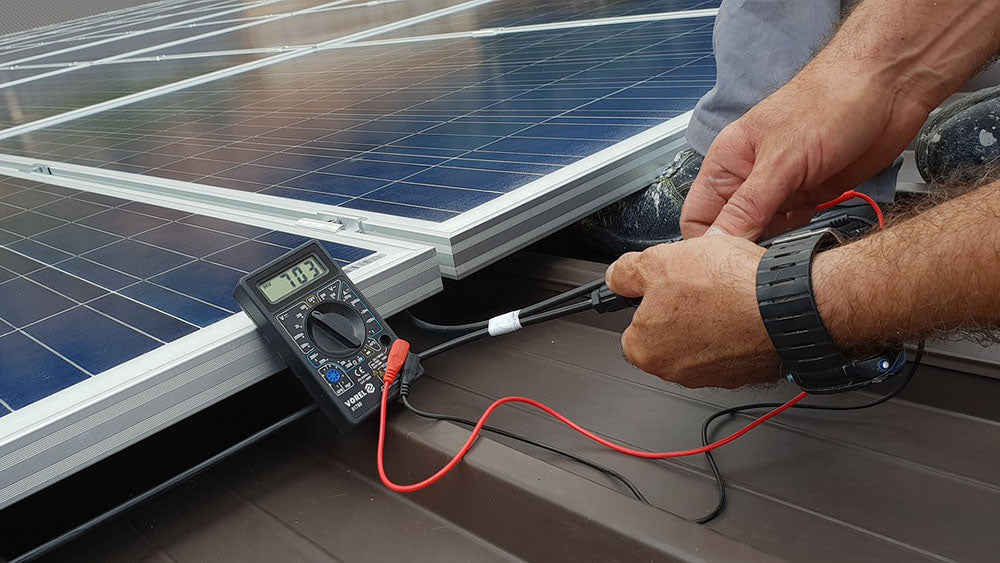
(914, 479)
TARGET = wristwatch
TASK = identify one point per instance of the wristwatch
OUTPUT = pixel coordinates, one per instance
(788, 308)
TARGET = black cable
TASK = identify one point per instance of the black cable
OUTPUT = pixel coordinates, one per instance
(720, 504)
(76, 532)
(536, 308)
(525, 321)
(471, 423)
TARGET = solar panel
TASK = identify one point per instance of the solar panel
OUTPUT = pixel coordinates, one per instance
(95, 287)
(429, 135)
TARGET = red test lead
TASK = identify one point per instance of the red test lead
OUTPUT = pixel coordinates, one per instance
(400, 350)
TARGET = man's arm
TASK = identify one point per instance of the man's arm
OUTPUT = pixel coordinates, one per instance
(699, 324)
(844, 117)
(937, 272)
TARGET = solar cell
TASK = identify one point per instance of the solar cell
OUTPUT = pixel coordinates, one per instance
(425, 133)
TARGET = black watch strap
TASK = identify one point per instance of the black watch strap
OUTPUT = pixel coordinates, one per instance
(790, 315)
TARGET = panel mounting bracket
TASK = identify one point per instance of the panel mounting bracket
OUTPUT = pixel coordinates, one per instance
(334, 223)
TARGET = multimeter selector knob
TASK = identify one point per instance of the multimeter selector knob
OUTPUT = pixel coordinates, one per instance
(336, 328)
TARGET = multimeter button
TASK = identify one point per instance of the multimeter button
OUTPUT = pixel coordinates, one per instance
(334, 375)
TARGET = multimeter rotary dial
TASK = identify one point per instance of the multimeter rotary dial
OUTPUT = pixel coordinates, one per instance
(336, 328)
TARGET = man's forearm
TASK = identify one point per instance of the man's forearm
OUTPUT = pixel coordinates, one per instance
(926, 49)
(936, 272)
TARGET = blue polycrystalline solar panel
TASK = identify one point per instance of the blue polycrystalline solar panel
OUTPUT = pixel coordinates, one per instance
(89, 281)
(509, 13)
(82, 87)
(425, 131)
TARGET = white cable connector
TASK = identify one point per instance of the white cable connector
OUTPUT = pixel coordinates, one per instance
(507, 322)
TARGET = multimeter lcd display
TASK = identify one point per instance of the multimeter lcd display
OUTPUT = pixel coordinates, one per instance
(287, 282)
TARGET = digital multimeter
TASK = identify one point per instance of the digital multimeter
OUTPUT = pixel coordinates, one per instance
(323, 328)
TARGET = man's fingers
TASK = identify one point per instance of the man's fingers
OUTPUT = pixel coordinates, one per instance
(624, 276)
(749, 211)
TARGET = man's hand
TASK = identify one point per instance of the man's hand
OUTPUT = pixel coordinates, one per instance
(844, 117)
(806, 144)
(698, 324)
